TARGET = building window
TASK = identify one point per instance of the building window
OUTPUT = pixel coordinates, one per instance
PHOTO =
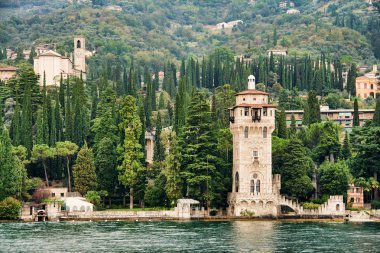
(252, 186)
(241, 112)
(78, 44)
(236, 182)
(246, 132)
(243, 99)
(365, 86)
(62, 194)
(270, 112)
(265, 111)
(258, 186)
(371, 86)
(246, 111)
(53, 194)
(352, 200)
(337, 207)
(255, 153)
(265, 132)
(357, 200)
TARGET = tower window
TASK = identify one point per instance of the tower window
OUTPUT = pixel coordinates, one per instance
(246, 111)
(255, 153)
(78, 44)
(246, 132)
(265, 132)
(252, 186)
(258, 186)
(236, 182)
(265, 111)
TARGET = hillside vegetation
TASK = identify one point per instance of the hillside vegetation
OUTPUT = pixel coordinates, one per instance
(155, 30)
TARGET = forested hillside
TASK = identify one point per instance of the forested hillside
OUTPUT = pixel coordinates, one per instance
(154, 30)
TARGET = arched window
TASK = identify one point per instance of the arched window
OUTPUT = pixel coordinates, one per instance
(237, 182)
(78, 44)
(265, 132)
(252, 186)
(258, 186)
(337, 207)
(246, 132)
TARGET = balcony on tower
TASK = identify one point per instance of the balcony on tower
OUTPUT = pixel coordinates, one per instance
(256, 114)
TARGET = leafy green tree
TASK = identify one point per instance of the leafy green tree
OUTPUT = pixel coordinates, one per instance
(12, 171)
(294, 172)
(66, 150)
(356, 121)
(41, 153)
(365, 144)
(334, 178)
(130, 151)
(224, 99)
(84, 171)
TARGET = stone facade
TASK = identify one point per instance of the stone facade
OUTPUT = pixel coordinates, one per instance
(254, 188)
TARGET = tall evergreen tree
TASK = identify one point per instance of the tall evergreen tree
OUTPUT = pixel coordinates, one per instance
(130, 150)
(346, 150)
(27, 120)
(281, 125)
(84, 171)
(313, 108)
(158, 154)
(376, 116)
(356, 121)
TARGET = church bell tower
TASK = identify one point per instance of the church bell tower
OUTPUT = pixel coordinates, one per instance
(252, 121)
(79, 54)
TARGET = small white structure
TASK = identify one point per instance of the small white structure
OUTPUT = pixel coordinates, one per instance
(230, 24)
(278, 51)
(184, 208)
(78, 204)
(293, 11)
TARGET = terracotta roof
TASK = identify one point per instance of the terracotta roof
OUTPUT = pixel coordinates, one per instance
(255, 105)
(8, 68)
(252, 92)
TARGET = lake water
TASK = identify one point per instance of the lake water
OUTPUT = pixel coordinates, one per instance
(221, 236)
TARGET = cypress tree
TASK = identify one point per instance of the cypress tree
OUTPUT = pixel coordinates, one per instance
(1, 112)
(53, 126)
(346, 150)
(293, 126)
(40, 128)
(282, 131)
(275, 37)
(27, 121)
(356, 121)
(62, 94)
(376, 116)
(351, 80)
(313, 108)
(15, 127)
(159, 153)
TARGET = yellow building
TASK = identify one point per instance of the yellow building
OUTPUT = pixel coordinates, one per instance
(367, 85)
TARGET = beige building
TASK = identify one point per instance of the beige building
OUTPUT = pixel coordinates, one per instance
(231, 24)
(7, 72)
(53, 64)
(343, 117)
(278, 51)
(254, 188)
(355, 196)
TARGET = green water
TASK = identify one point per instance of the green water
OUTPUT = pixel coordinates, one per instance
(234, 236)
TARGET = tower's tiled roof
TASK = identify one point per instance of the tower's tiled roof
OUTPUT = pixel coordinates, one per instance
(255, 105)
(252, 92)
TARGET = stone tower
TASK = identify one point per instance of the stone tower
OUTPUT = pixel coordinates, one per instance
(254, 189)
(80, 54)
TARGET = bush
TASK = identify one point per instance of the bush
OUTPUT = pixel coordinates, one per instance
(213, 212)
(93, 197)
(309, 205)
(10, 209)
(375, 204)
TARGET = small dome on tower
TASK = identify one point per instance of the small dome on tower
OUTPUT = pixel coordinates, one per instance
(251, 77)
